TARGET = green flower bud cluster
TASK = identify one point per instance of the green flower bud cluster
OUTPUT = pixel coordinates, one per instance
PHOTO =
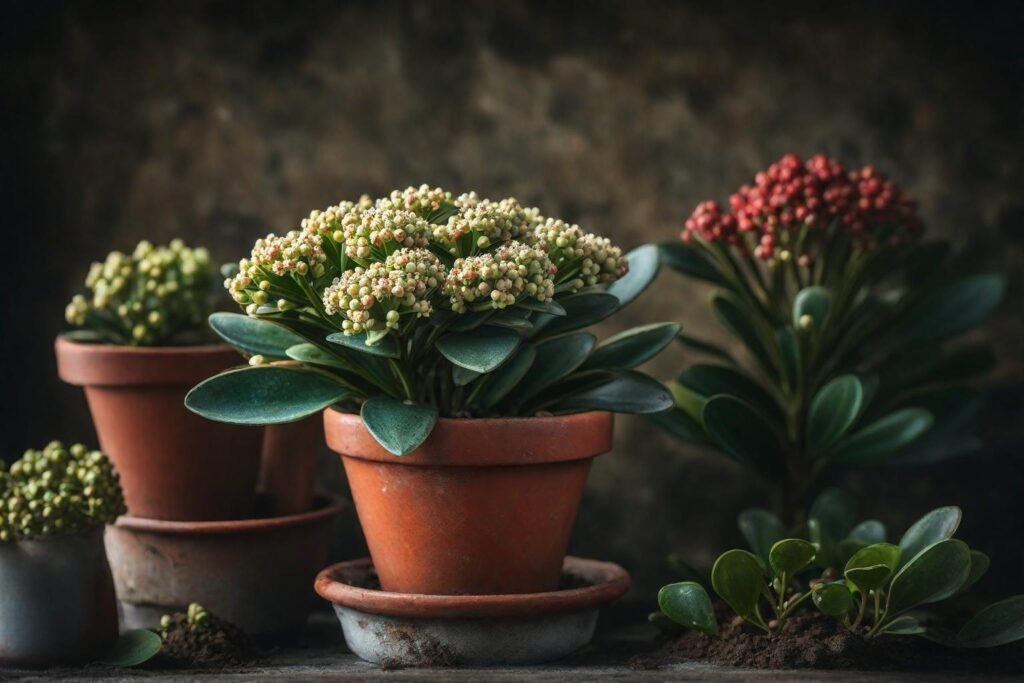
(57, 491)
(584, 259)
(500, 277)
(484, 222)
(375, 298)
(147, 297)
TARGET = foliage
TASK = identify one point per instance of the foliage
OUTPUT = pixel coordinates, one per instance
(156, 296)
(423, 304)
(58, 491)
(846, 317)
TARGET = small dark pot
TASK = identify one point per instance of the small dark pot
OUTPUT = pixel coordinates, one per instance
(57, 602)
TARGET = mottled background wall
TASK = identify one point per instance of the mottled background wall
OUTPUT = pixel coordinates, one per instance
(220, 121)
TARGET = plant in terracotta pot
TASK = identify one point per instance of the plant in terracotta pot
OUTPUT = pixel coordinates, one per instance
(58, 600)
(140, 344)
(445, 336)
(849, 323)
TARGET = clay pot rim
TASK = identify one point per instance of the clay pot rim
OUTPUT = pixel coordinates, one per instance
(477, 442)
(610, 583)
(124, 349)
(325, 507)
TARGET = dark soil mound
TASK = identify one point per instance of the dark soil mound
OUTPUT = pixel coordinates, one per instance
(215, 644)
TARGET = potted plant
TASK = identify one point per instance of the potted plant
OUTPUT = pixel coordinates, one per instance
(140, 345)
(444, 336)
(58, 597)
(848, 320)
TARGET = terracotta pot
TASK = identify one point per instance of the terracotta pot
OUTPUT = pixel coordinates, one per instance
(56, 601)
(255, 573)
(174, 464)
(482, 507)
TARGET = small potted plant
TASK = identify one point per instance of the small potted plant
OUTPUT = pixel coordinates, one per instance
(58, 602)
(848, 321)
(445, 337)
(140, 345)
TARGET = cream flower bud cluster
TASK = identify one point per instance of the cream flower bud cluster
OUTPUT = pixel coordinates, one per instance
(360, 232)
(294, 252)
(585, 257)
(490, 223)
(375, 297)
(422, 200)
(328, 221)
(500, 277)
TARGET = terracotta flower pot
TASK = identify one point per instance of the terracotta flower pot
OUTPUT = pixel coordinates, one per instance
(482, 507)
(57, 601)
(174, 464)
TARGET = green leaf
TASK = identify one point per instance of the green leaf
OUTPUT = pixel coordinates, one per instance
(633, 347)
(685, 571)
(643, 268)
(664, 623)
(688, 605)
(627, 392)
(461, 376)
(681, 426)
(514, 319)
(264, 395)
(903, 626)
(883, 438)
(869, 531)
(498, 384)
(133, 648)
(481, 350)
(836, 510)
(470, 321)
(738, 579)
(689, 401)
(814, 302)
(547, 307)
(688, 261)
(254, 336)
(833, 411)
(936, 526)
(999, 623)
(581, 310)
(934, 574)
(708, 348)
(742, 433)
(832, 599)
(979, 567)
(711, 380)
(871, 566)
(556, 358)
(733, 317)
(762, 530)
(386, 347)
(790, 555)
(314, 355)
(950, 309)
(397, 426)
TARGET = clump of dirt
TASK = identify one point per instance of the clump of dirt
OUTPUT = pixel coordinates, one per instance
(198, 639)
(423, 651)
(813, 641)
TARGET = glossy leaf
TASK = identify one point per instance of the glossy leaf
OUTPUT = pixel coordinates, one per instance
(738, 579)
(470, 321)
(836, 511)
(133, 648)
(883, 438)
(502, 381)
(681, 426)
(761, 529)
(742, 433)
(461, 376)
(397, 426)
(581, 310)
(832, 599)
(556, 358)
(252, 335)
(689, 401)
(869, 531)
(314, 355)
(643, 268)
(904, 626)
(386, 347)
(950, 309)
(702, 346)
(979, 567)
(936, 526)
(814, 302)
(633, 347)
(264, 395)
(711, 380)
(481, 350)
(547, 307)
(688, 260)
(685, 571)
(833, 411)
(934, 574)
(999, 623)
(790, 555)
(871, 566)
(627, 392)
(734, 318)
(688, 604)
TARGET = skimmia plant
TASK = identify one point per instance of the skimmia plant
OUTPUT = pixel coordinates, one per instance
(57, 491)
(846, 316)
(870, 586)
(155, 296)
(423, 304)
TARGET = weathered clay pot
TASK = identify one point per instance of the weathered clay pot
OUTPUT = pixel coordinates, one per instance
(174, 464)
(255, 573)
(482, 507)
(57, 600)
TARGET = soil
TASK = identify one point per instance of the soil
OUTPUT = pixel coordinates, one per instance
(812, 641)
(217, 644)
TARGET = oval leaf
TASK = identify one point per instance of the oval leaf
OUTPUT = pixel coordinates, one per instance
(627, 392)
(731, 314)
(688, 260)
(386, 346)
(710, 380)
(688, 605)
(742, 433)
(314, 355)
(904, 626)
(581, 310)
(264, 395)
(399, 427)
(937, 525)
(738, 579)
(832, 599)
(833, 411)
(979, 567)
(643, 268)
(555, 359)
(881, 439)
(871, 566)
(498, 384)
(133, 648)
(814, 302)
(999, 623)
(934, 574)
(633, 347)
(869, 531)
(252, 335)
(950, 309)
(790, 555)
(482, 350)
(762, 530)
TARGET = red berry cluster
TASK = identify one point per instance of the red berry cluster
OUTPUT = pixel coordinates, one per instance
(791, 195)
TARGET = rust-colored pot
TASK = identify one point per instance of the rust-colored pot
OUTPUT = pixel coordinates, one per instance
(255, 573)
(484, 506)
(174, 464)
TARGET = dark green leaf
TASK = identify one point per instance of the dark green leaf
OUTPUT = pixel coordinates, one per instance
(514, 319)
(932, 575)
(833, 411)
(688, 605)
(681, 426)
(814, 302)
(950, 309)
(397, 426)
(937, 525)
(762, 530)
(685, 571)
(789, 349)
(701, 346)
(871, 566)
(832, 599)
(903, 626)
(643, 268)
(689, 260)
(836, 512)
(627, 392)
(738, 579)
(386, 347)
(133, 648)
(712, 380)
(481, 350)
(689, 401)
(790, 555)
(869, 531)
(881, 439)
(547, 307)
(979, 567)
(664, 623)
(581, 310)
(314, 355)
(498, 384)
(743, 433)
(633, 347)
(556, 358)
(470, 321)
(254, 336)
(461, 376)
(264, 395)
(734, 318)
(999, 623)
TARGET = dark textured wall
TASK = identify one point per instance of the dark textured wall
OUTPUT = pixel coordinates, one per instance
(220, 121)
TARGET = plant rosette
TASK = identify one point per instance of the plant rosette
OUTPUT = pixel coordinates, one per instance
(58, 601)
(140, 347)
(417, 311)
(848, 321)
